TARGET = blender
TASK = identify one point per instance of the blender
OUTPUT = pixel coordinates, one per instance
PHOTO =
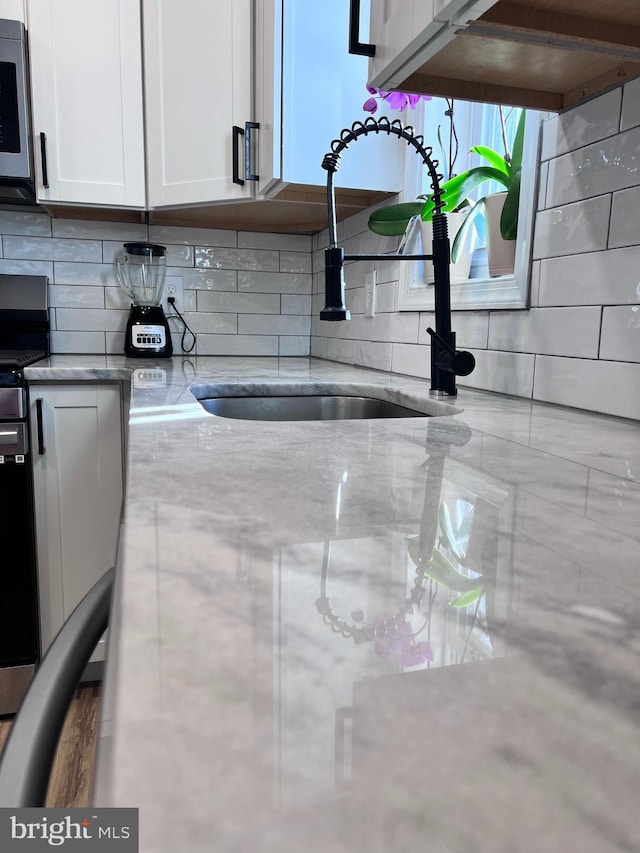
(141, 271)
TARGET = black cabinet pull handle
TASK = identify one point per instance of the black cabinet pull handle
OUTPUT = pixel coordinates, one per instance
(43, 160)
(248, 127)
(355, 45)
(40, 425)
(237, 133)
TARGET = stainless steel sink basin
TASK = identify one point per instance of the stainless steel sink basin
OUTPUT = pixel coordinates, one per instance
(307, 407)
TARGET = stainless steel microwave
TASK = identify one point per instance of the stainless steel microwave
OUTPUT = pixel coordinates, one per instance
(17, 185)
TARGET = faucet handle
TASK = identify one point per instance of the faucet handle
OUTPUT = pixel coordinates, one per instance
(459, 362)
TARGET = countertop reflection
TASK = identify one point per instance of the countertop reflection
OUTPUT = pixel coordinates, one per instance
(390, 635)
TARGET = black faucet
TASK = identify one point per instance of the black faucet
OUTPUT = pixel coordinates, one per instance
(446, 361)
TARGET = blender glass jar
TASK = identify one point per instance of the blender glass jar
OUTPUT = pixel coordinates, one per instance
(141, 270)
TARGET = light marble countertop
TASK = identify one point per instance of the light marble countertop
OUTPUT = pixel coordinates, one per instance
(237, 719)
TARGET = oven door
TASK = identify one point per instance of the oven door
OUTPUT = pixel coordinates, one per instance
(19, 635)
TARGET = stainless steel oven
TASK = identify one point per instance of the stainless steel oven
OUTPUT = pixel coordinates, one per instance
(17, 183)
(24, 339)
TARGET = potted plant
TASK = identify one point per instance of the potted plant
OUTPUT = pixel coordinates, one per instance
(394, 220)
(500, 209)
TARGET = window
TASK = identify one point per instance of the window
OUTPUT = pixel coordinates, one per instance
(475, 124)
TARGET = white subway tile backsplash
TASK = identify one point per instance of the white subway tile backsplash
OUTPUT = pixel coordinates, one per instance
(593, 278)
(179, 235)
(273, 324)
(208, 323)
(573, 228)
(471, 328)
(176, 256)
(89, 229)
(602, 386)
(630, 104)
(94, 319)
(295, 262)
(268, 240)
(402, 328)
(609, 165)
(504, 372)
(621, 333)
(237, 345)
(99, 275)
(25, 222)
(534, 291)
(625, 222)
(273, 282)
(115, 297)
(239, 303)
(290, 304)
(586, 123)
(237, 259)
(319, 347)
(51, 249)
(364, 353)
(64, 342)
(18, 267)
(289, 345)
(411, 360)
(553, 331)
(75, 296)
(206, 279)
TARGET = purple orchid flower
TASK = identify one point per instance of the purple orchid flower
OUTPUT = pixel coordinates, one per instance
(401, 641)
(396, 100)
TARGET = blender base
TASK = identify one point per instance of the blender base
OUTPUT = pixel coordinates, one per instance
(147, 334)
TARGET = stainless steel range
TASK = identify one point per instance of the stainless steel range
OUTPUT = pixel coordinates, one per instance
(24, 339)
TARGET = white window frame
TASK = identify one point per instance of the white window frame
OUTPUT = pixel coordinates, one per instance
(509, 292)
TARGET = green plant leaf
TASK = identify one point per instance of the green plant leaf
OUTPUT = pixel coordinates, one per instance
(391, 221)
(509, 215)
(460, 187)
(492, 157)
(442, 571)
(468, 598)
(518, 144)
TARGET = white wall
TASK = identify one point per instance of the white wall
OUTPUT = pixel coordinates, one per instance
(579, 344)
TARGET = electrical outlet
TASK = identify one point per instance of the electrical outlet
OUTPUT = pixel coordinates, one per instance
(173, 288)
(370, 294)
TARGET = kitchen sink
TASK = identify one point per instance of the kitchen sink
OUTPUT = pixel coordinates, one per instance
(306, 407)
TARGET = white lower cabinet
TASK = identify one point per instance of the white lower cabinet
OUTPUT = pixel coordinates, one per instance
(77, 451)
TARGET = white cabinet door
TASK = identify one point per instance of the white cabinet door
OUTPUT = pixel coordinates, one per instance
(406, 33)
(309, 88)
(86, 77)
(198, 87)
(78, 485)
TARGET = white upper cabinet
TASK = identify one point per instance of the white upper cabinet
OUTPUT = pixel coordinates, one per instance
(308, 88)
(86, 74)
(406, 33)
(198, 88)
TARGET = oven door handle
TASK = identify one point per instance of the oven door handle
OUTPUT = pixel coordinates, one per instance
(40, 426)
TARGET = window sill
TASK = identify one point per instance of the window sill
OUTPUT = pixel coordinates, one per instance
(474, 294)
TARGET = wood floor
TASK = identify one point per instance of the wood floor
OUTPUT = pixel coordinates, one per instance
(72, 773)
